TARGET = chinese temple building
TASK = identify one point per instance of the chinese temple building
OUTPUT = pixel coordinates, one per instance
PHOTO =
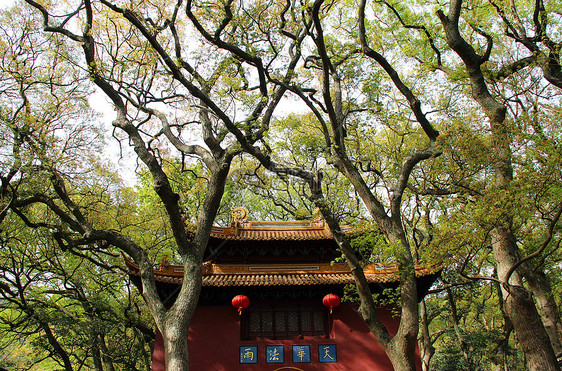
(265, 303)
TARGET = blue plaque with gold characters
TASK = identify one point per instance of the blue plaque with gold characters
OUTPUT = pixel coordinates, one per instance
(301, 353)
(274, 354)
(327, 353)
(249, 354)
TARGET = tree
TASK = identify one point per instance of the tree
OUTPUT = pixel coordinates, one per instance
(67, 308)
(207, 81)
(139, 76)
(519, 303)
(51, 299)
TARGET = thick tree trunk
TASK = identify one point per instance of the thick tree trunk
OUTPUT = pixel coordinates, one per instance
(542, 292)
(530, 330)
(401, 347)
(520, 307)
(175, 329)
(175, 338)
(405, 340)
(175, 347)
(402, 352)
(401, 361)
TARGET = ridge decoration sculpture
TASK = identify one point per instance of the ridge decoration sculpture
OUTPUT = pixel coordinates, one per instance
(239, 217)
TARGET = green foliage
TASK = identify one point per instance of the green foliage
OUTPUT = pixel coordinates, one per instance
(371, 245)
(482, 326)
(66, 301)
(450, 206)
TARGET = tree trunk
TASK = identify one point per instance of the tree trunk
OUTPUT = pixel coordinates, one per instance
(426, 347)
(520, 307)
(507, 328)
(530, 331)
(96, 353)
(108, 361)
(400, 348)
(542, 292)
(403, 344)
(175, 327)
(175, 347)
(455, 317)
(402, 352)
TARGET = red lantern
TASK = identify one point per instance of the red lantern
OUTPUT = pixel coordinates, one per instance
(331, 301)
(240, 302)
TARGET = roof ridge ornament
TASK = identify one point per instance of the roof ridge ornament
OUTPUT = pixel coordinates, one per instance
(239, 214)
(239, 218)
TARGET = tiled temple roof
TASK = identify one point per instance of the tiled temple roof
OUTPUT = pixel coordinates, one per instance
(275, 275)
(246, 230)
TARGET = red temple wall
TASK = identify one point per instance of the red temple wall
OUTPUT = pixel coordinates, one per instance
(214, 344)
